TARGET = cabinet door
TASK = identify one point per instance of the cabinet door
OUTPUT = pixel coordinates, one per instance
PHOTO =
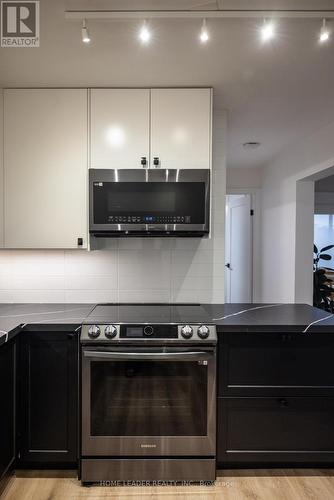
(281, 430)
(7, 405)
(119, 127)
(48, 397)
(269, 364)
(45, 164)
(181, 127)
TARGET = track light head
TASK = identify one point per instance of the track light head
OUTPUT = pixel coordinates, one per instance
(324, 32)
(144, 33)
(267, 31)
(204, 34)
(85, 33)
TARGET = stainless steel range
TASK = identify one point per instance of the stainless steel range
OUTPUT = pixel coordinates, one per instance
(148, 394)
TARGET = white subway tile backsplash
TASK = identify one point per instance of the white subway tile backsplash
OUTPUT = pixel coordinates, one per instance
(28, 282)
(90, 296)
(128, 269)
(101, 262)
(32, 296)
(148, 295)
(88, 282)
(142, 270)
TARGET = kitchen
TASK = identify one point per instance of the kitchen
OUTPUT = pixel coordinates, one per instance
(112, 259)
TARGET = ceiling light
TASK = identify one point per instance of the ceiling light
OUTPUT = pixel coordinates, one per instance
(204, 35)
(84, 32)
(144, 33)
(267, 31)
(324, 32)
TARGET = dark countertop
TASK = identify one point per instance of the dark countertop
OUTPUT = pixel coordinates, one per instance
(14, 315)
(227, 317)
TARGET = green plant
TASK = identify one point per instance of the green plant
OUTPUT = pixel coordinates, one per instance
(322, 291)
(319, 255)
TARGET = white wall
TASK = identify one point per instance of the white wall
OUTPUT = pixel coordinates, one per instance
(134, 269)
(243, 178)
(287, 215)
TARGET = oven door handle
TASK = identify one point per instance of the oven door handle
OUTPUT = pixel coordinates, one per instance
(168, 356)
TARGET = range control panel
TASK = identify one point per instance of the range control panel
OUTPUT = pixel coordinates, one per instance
(119, 333)
(149, 219)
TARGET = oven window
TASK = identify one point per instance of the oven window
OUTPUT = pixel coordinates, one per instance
(142, 398)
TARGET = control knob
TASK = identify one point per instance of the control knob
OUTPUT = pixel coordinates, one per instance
(186, 332)
(94, 332)
(203, 332)
(148, 330)
(110, 331)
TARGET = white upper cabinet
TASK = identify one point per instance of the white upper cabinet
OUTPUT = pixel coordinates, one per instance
(181, 128)
(45, 168)
(119, 128)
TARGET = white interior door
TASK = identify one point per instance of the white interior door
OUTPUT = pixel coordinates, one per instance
(238, 249)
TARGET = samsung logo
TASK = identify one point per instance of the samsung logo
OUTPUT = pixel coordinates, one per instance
(148, 445)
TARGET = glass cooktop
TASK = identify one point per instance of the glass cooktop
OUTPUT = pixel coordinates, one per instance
(149, 313)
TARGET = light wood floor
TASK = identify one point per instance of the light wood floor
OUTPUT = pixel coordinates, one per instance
(277, 484)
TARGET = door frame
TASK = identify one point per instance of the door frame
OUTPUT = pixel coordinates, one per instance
(255, 239)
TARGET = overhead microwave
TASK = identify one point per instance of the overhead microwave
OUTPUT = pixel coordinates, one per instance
(134, 202)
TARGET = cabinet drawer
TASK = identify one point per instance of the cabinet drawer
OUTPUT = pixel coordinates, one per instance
(274, 364)
(275, 429)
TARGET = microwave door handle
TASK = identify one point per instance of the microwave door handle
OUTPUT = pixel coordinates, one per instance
(168, 356)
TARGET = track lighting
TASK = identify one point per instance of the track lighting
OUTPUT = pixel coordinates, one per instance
(144, 33)
(324, 32)
(204, 34)
(84, 32)
(267, 31)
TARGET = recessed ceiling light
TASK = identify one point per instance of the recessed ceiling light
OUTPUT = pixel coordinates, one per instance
(267, 31)
(84, 32)
(251, 145)
(324, 32)
(204, 34)
(144, 33)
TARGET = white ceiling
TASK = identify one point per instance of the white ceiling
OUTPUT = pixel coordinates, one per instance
(275, 94)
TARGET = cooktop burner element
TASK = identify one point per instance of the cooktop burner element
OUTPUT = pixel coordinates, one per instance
(154, 323)
(148, 313)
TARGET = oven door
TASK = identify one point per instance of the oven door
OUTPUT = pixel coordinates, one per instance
(148, 401)
(148, 201)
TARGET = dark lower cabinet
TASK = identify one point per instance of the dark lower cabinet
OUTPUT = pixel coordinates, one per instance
(268, 364)
(7, 406)
(48, 396)
(275, 399)
(281, 430)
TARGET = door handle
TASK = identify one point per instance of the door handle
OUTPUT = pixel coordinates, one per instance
(143, 161)
(156, 161)
(129, 356)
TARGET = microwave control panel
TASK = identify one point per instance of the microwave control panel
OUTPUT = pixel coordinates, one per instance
(149, 219)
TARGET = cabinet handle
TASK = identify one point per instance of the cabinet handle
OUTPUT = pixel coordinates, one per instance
(143, 161)
(156, 161)
(71, 335)
(283, 403)
(80, 242)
